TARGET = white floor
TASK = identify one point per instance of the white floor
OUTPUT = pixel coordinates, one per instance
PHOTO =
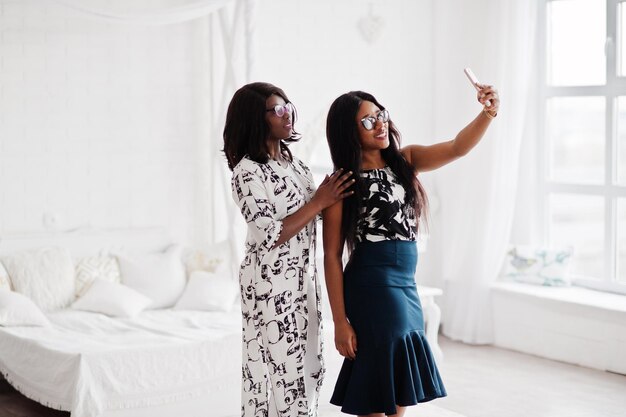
(421, 410)
(484, 381)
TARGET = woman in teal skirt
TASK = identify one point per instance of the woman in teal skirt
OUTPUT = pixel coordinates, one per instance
(379, 326)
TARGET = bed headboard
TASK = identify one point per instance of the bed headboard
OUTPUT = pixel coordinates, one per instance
(90, 242)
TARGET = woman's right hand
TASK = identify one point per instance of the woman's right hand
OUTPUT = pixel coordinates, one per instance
(333, 189)
(345, 339)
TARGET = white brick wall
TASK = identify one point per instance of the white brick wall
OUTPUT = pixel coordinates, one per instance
(97, 122)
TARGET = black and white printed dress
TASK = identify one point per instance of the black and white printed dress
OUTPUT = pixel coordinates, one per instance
(282, 366)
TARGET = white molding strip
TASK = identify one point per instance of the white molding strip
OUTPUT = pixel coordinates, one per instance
(161, 16)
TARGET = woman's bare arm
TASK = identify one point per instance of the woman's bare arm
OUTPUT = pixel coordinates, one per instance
(427, 158)
(345, 338)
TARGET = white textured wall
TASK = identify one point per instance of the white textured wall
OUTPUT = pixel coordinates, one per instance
(573, 325)
(100, 123)
(97, 122)
(315, 51)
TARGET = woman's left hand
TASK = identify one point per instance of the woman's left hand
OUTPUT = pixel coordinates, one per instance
(489, 93)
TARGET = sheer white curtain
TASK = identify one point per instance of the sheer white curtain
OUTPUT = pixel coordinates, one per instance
(497, 39)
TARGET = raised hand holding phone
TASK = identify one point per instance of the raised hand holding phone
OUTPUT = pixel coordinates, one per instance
(472, 78)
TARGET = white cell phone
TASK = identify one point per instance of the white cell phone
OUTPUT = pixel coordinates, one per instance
(472, 78)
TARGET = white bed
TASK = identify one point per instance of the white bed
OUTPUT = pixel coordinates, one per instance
(94, 365)
(161, 363)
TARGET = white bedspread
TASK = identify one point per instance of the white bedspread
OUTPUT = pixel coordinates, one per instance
(88, 363)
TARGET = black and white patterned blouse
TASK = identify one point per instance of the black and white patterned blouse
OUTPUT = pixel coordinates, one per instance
(384, 212)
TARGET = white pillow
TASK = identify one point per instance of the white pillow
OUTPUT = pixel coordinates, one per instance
(160, 277)
(214, 257)
(539, 266)
(112, 299)
(91, 268)
(45, 275)
(5, 282)
(19, 310)
(207, 291)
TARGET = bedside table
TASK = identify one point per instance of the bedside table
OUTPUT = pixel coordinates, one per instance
(432, 317)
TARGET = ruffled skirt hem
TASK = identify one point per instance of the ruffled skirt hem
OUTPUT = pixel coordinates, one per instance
(401, 372)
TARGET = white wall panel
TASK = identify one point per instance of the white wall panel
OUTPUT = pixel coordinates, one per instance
(98, 126)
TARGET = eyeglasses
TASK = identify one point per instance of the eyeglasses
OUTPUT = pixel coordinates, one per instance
(369, 122)
(280, 109)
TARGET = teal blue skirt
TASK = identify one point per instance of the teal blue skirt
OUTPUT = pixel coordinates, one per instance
(394, 364)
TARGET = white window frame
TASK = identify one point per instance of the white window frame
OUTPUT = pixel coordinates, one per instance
(615, 86)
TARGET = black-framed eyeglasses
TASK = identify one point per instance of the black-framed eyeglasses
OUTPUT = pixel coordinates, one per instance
(280, 109)
(369, 122)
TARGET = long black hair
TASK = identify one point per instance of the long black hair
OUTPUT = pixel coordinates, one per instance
(246, 129)
(345, 149)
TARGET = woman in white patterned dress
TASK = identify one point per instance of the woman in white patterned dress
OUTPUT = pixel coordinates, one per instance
(282, 367)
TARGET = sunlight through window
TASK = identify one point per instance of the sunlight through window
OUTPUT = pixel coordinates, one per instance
(577, 221)
(583, 144)
(575, 130)
(576, 39)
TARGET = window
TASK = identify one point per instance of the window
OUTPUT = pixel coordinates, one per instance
(583, 146)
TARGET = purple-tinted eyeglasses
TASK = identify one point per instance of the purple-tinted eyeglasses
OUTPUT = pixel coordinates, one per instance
(280, 109)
